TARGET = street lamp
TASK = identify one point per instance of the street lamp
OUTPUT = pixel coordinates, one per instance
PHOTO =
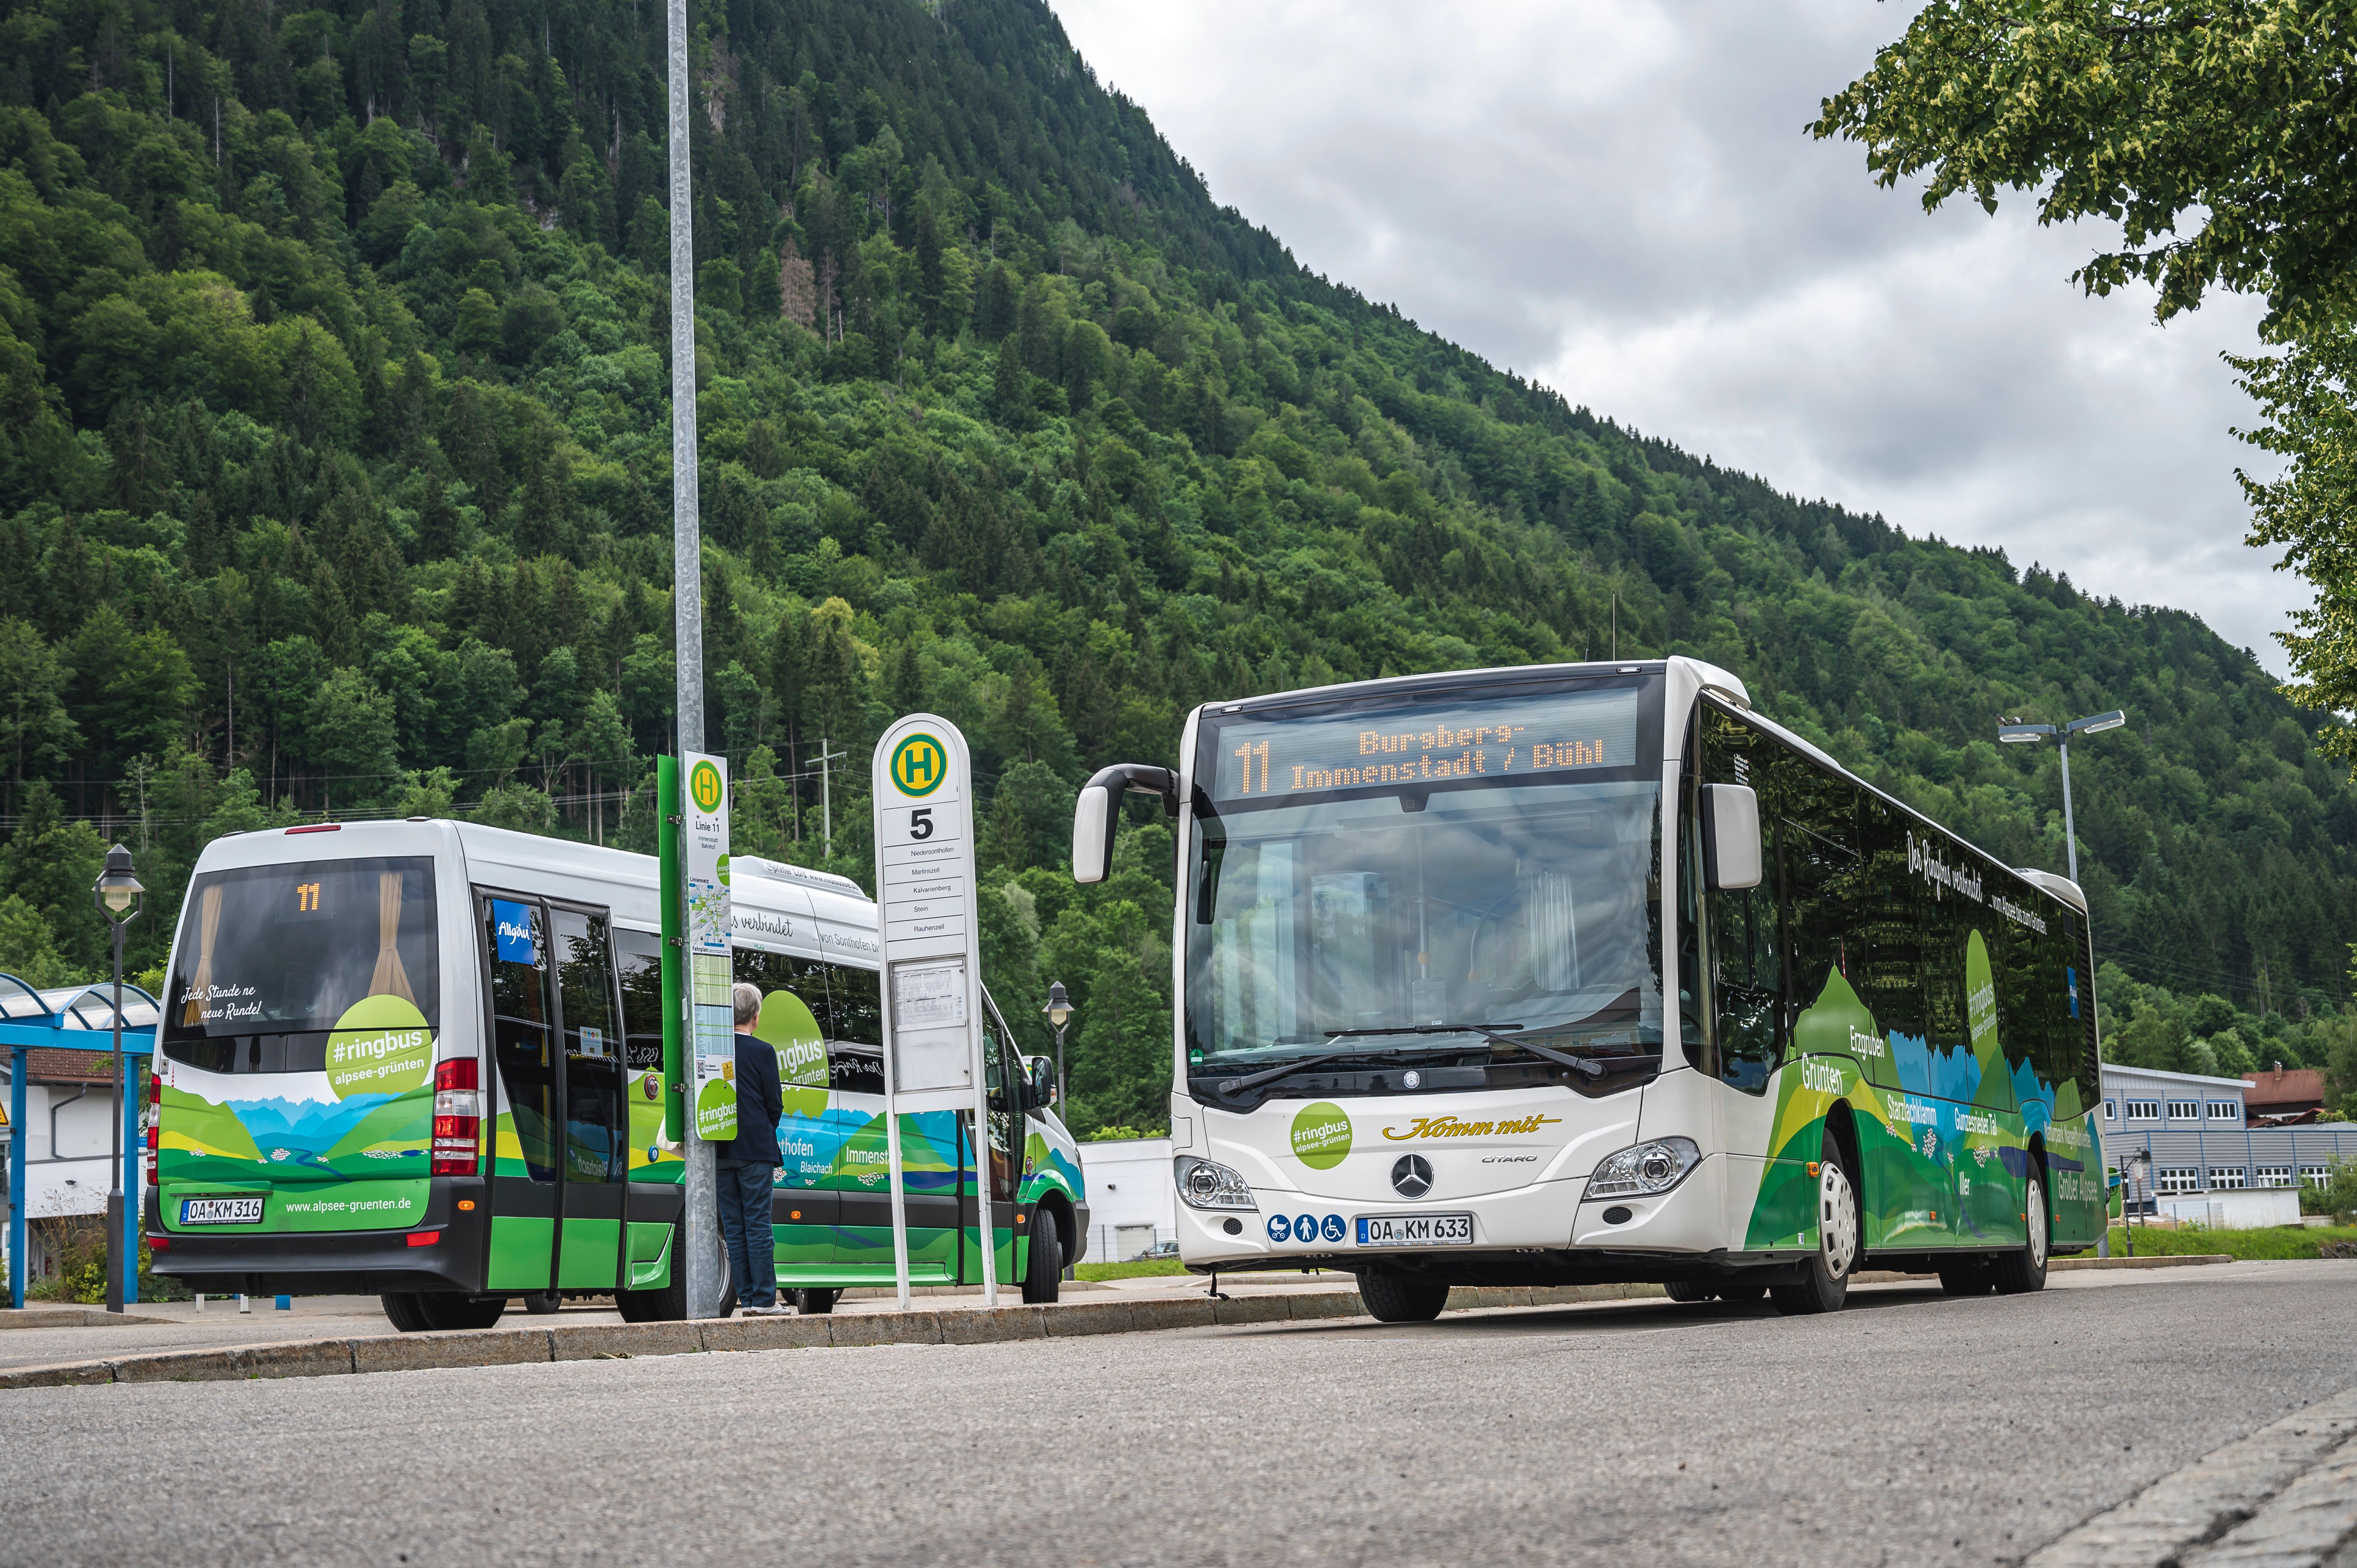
(2031, 734)
(2094, 724)
(116, 894)
(1060, 1013)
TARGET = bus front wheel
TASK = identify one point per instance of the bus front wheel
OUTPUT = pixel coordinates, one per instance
(2018, 1274)
(1402, 1298)
(1824, 1285)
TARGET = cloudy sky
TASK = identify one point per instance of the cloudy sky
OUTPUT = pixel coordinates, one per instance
(1619, 199)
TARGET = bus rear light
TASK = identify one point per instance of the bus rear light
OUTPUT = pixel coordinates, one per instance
(154, 1123)
(458, 1119)
(159, 1243)
(424, 1238)
(319, 828)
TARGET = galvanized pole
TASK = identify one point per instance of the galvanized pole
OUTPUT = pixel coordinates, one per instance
(2070, 858)
(700, 1224)
(2069, 829)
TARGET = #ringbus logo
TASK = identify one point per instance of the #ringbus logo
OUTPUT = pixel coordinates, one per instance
(381, 1045)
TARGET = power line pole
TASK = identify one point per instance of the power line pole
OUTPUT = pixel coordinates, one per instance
(699, 1224)
(826, 795)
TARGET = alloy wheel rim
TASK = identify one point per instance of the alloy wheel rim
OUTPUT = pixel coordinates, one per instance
(2037, 1226)
(1837, 1219)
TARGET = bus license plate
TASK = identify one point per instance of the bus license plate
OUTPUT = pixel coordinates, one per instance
(1416, 1230)
(221, 1211)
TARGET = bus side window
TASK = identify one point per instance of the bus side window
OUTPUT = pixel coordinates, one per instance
(855, 1047)
(1822, 880)
(637, 956)
(1748, 984)
(1892, 932)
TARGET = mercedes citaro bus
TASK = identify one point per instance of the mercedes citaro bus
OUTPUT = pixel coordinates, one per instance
(1589, 973)
(425, 1059)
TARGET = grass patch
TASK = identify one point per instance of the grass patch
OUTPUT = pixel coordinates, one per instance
(1135, 1270)
(2273, 1242)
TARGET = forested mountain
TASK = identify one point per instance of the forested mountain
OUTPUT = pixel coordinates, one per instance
(335, 473)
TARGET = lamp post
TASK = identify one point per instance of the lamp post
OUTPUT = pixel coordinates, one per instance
(2031, 734)
(1060, 1013)
(116, 894)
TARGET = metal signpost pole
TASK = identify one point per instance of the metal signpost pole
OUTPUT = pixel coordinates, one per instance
(921, 795)
(15, 1176)
(700, 1222)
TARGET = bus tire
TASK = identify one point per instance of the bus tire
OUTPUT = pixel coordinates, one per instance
(542, 1303)
(1967, 1277)
(1401, 1298)
(2018, 1273)
(1043, 1270)
(1691, 1291)
(1824, 1285)
(405, 1312)
(816, 1301)
(668, 1303)
(454, 1311)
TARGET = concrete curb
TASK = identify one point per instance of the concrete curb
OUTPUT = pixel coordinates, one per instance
(2181, 1261)
(2165, 1522)
(614, 1341)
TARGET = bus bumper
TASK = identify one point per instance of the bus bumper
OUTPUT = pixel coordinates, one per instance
(335, 1262)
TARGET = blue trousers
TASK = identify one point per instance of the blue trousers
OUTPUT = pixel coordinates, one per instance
(744, 1202)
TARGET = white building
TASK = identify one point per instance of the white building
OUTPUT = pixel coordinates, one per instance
(2200, 1144)
(1133, 1196)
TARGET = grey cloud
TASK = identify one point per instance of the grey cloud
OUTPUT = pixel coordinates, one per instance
(1620, 200)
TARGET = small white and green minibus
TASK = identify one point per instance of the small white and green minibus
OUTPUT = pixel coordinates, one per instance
(424, 1060)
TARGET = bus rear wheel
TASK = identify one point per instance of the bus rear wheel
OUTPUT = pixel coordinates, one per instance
(816, 1302)
(405, 1311)
(461, 1311)
(2018, 1273)
(1824, 1285)
(1691, 1291)
(1402, 1298)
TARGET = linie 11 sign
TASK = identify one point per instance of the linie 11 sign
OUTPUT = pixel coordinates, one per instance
(1557, 733)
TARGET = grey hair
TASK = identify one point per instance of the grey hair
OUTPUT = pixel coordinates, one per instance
(747, 998)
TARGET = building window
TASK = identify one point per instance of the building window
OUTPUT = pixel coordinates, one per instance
(2225, 1111)
(2111, 1114)
(2273, 1175)
(2315, 1175)
(2178, 1179)
(2185, 1110)
(2144, 1109)
(2227, 1180)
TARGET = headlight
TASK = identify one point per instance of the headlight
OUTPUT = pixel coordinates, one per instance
(1645, 1169)
(1208, 1186)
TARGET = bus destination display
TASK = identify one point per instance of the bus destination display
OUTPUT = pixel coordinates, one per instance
(1557, 733)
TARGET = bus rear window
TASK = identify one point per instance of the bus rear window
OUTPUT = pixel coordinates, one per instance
(270, 958)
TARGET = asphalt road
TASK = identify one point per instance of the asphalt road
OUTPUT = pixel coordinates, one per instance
(1909, 1429)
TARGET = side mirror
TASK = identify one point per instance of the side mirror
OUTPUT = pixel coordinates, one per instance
(1097, 814)
(1731, 837)
(1043, 1081)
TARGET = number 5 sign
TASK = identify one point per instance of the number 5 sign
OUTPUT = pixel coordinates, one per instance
(921, 781)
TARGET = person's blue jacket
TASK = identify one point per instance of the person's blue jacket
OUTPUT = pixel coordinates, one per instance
(759, 1103)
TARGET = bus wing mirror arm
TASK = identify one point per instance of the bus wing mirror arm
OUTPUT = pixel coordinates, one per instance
(1731, 837)
(1098, 811)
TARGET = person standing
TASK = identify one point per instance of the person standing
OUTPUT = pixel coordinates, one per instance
(748, 1164)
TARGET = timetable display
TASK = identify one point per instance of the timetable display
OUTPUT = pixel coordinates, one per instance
(1437, 743)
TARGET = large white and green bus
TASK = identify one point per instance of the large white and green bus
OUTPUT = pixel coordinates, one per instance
(1590, 973)
(424, 1060)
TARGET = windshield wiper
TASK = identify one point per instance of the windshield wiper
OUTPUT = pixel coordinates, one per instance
(1590, 1067)
(1270, 1075)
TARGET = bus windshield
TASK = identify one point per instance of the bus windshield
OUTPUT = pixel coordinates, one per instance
(1435, 880)
(271, 958)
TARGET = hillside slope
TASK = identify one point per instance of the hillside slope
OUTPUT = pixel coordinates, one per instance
(335, 478)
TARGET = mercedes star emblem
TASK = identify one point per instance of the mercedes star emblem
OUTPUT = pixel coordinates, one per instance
(1412, 1078)
(1412, 1176)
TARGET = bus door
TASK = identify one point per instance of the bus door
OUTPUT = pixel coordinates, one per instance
(558, 1155)
(1002, 1073)
(597, 1154)
(796, 1019)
